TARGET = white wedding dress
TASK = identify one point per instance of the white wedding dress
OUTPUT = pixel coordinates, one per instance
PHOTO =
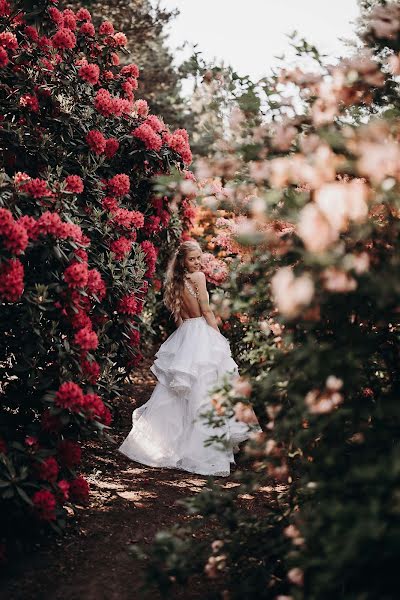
(167, 431)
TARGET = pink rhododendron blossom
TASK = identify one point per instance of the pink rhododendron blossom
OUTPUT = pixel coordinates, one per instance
(74, 184)
(96, 141)
(69, 396)
(63, 39)
(11, 280)
(90, 73)
(86, 339)
(291, 294)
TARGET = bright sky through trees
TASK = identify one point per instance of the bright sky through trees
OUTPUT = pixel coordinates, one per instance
(248, 35)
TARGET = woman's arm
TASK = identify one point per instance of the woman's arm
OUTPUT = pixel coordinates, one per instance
(200, 281)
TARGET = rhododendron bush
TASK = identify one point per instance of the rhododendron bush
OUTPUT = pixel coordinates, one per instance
(80, 231)
(319, 295)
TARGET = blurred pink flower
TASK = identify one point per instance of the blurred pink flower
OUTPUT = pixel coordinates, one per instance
(291, 293)
(337, 280)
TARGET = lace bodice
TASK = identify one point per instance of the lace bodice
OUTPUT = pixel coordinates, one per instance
(191, 288)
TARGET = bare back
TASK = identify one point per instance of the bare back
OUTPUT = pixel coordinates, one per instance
(190, 307)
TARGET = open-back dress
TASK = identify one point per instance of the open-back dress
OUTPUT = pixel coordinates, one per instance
(168, 430)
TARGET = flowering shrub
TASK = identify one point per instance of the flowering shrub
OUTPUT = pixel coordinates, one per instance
(319, 298)
(76, 259)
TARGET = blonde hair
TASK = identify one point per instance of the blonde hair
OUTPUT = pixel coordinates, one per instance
(174, 281)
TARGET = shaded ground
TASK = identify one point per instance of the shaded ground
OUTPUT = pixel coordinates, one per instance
(129, 504)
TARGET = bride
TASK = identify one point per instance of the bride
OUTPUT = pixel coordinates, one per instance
(168, 431)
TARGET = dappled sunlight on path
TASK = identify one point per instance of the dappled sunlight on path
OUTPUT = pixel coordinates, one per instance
(129, 503)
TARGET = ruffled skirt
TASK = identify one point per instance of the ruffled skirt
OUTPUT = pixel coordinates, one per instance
(168, 431)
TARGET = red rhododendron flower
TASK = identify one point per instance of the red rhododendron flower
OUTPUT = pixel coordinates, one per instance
(121, 106)
(120, 39)
(148, 136)
(11, 280)
(45, 505)
(119, 185)
(56, 15)
(63, 39)
(115, 59)
(29, 101)
(63, 487)
(107, 75)
(79, 489)
(130, 70)
(179, 142)
(96, 141)
(81, 253)
(8, 40)
(134, 337)
(151, 257)
(3, 58)
(69, 453)
(87, 29)
(93, 405)
(69, 19)
(36, 187)
(127, 305)
(83, 15)
(90, 73)
(103, 102)
(48, 469)
(128, 90)
(95, 284)
(128, 218)
(74, 184)
(91, 370)
(112, 145)
(110, 204)
(86, 338)
(155, 123)
(106, 28)
(5, 8)
(15, 237)
(80, 319)
(32, 33)
(106, 416)
(76, 275)
(121, 247)
(152, 225)
(69, 396)
(142, 108)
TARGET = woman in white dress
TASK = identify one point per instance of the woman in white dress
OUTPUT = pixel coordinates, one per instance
(168, 431)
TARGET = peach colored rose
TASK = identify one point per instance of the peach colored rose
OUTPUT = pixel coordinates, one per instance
(291, 293)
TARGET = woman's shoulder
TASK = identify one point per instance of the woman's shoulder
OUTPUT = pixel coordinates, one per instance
(198, 276)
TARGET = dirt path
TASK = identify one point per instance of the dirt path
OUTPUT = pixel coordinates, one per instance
(129, 504)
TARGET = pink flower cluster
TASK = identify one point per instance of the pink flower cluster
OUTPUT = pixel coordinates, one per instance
(127, 305)
(90, 73)
(108, 105)
(121, 247)
(215, 270)
(128, 218)
(119, 185)
(13, 234)
(151, 257)
(11, 280)
(179, 142)
(71, 397)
